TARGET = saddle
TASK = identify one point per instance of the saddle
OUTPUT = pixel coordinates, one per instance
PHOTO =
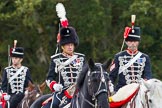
(124, 95)
(68, 93)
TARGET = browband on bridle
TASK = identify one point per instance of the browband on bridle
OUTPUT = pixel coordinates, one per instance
(99, 91)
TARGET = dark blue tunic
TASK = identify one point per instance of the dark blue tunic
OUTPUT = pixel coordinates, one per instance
(65, 73)
(141, 68)
(68, 74)
(19, 83)
(16, 87)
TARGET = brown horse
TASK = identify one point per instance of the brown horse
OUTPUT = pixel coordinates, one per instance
(33, 92)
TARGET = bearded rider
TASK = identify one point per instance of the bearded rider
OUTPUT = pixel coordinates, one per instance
(130, 65)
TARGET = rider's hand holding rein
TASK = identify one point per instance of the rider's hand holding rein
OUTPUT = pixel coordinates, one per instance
(57, 87)
(111, 87)
(7, 97)
(64, 68)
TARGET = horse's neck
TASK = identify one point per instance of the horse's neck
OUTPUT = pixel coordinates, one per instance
(28, 98)
(83, 92)
(139, 100)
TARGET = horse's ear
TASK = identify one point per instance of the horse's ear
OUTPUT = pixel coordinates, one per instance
(91, 63)
(145, 82)
(107, 64)
(43, 86)
(30, 86)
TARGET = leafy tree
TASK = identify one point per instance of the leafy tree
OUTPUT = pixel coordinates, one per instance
(99, 23)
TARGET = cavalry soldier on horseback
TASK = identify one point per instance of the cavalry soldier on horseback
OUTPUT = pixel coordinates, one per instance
(15, 78)
(65, 67)
(130, 65)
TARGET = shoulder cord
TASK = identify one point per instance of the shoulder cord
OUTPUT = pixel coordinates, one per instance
(130, 62)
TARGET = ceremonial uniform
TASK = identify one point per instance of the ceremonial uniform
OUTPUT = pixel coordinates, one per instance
(19, 83)
(64, 69)
(68, 73)
(139, 69)
(131, 65)
(15, 80)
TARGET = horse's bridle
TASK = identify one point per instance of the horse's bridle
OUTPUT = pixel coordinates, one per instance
(29, 95)
(102, 80)
(99, 90)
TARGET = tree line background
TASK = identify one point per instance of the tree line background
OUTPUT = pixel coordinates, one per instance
(100, 25)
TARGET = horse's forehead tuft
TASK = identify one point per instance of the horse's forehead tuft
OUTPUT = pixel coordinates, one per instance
(98, 64)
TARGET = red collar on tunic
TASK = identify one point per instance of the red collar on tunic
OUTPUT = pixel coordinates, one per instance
(67, 55)
(132, 52)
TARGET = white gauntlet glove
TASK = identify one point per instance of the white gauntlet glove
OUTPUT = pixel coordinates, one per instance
(58, 87)
(7, 97)
(111, 87)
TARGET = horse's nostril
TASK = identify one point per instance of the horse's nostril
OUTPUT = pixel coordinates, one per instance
(150, 100)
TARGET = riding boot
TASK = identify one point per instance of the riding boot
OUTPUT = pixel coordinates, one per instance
(15, 100)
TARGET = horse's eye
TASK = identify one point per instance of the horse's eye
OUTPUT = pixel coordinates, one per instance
(94, 80)
(94, 75)
(150, 100)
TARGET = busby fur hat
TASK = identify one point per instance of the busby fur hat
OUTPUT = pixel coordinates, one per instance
(17, 52)
(134, 34)
(68, 35)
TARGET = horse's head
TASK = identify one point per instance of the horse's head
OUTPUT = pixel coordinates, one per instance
(33, 91)
(155, 96)
(98, 81)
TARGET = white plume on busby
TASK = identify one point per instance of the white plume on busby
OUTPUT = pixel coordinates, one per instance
(17, 52)
(61, 13)
(67, 33)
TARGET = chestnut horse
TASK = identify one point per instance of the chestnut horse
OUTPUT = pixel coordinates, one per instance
(33, 92)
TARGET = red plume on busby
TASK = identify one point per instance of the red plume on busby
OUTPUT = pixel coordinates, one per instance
(127, 31)
(17, 51)
(14, 46)
(67, 34)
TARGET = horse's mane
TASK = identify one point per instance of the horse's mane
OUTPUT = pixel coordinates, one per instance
(82, 75)
(157, 91)
(33, 91)
(92, 83)
(85, 69)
